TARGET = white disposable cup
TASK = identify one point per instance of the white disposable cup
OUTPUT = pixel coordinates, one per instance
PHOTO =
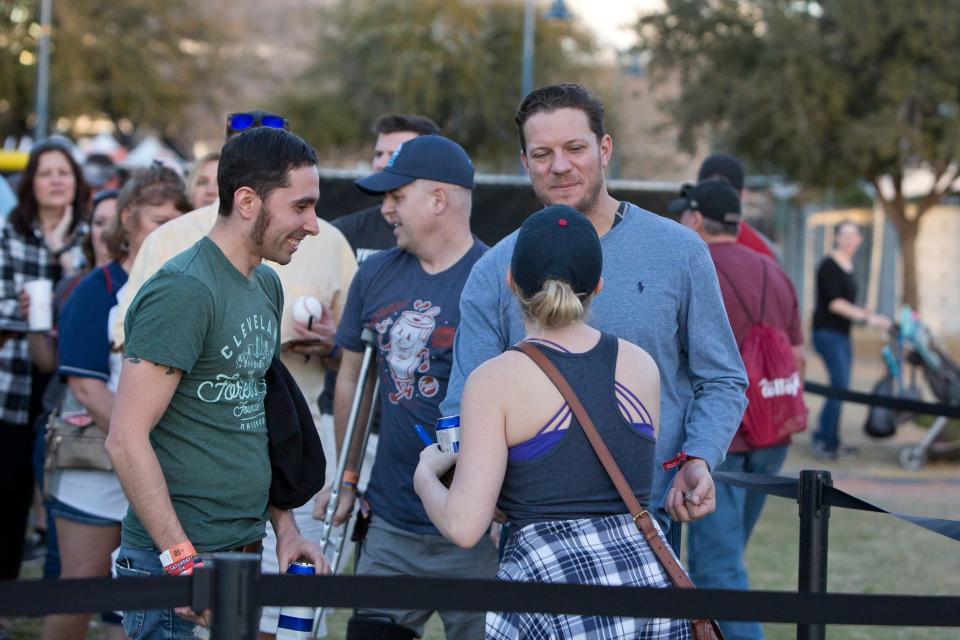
(40, 316)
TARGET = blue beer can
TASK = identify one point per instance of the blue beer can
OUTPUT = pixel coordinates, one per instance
(448, 434)
(296, 623)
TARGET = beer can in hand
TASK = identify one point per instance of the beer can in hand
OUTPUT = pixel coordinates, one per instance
(448, 434)
(296, 623)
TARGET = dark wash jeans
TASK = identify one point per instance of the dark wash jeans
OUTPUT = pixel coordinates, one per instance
(158, 624)
(836, 350)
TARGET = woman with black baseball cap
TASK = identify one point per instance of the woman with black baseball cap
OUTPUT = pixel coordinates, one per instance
(524, 451)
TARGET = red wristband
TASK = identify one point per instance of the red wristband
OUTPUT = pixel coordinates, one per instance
(677, 461)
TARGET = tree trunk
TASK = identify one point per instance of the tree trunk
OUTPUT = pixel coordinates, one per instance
(907, 231)
(896, 211)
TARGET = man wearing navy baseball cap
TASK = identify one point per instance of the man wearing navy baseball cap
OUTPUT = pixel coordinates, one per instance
(430, 157)
(410, 295)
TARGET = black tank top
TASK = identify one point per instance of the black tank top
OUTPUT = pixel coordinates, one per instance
(568, 482)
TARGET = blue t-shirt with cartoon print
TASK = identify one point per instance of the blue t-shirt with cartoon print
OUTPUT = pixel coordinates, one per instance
(415, 316)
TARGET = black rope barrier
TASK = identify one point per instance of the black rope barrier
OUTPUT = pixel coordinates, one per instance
(889, 402)
(34, 598)
(640, 602)
(67, 595)
(786, 487)
(810, 607)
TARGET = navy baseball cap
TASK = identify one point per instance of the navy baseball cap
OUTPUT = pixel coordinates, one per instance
(714, 198)
(430, 157)
(722, 165)
(557, 243)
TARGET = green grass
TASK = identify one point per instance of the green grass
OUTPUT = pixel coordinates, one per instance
(868, 553)
(951, 432)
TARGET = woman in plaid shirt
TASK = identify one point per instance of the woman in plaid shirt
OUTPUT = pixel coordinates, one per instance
(41, 239)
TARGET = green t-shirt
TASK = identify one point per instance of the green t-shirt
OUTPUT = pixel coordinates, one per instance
(200, 315)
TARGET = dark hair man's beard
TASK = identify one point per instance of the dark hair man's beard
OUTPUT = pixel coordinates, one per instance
(260, 226)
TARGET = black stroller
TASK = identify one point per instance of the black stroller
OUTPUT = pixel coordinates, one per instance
(912, 347)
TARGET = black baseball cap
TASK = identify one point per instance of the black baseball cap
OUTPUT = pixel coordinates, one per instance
(714, 198)
(722, 165)
(430, 157)
(559, 243)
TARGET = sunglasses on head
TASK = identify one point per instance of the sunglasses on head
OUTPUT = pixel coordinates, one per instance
(246, 120)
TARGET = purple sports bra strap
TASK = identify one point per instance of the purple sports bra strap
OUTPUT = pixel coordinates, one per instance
(702, 629)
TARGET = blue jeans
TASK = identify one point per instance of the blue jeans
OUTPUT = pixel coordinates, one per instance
(716, 543)
(837, 353)
(158, 624)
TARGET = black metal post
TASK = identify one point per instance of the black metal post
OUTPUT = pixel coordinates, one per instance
(236, 577)
(814, 526)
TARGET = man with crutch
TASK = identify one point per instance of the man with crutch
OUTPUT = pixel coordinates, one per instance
(409, 296)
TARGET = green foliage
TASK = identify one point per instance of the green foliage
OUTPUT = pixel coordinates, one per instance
(456, 61)
(143, 60)
(16, 81)
(831, 92)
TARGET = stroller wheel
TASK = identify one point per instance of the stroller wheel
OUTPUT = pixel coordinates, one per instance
(913, 458)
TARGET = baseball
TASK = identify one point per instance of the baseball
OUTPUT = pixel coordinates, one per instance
(306, 306)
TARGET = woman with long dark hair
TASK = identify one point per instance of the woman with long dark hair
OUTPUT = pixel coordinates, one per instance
(40, 240)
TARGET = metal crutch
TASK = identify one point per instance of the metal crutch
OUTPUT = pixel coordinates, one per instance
(369, 338)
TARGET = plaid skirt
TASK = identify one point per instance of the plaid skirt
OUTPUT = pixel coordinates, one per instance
(605, 551)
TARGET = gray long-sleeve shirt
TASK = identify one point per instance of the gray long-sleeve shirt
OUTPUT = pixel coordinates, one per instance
(661, 293)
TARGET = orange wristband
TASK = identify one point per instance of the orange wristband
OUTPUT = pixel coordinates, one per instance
(350, 476)
(180, 559)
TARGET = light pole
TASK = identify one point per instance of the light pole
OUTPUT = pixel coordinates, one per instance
(43, 72)
(558, 11)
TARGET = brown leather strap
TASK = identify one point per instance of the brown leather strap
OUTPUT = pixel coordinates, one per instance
(641, 517)
(700, 629)
(250, 547)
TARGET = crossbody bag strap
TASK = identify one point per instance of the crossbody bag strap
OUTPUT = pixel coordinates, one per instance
(641, 517)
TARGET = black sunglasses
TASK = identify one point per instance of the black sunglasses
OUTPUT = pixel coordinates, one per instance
(246, 120)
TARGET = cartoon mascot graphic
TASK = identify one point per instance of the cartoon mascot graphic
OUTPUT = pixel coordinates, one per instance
(406, 352)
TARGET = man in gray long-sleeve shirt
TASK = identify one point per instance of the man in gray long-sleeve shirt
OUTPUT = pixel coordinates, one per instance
(660, 292)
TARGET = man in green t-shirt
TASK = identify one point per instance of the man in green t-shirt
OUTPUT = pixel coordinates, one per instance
(188, 434)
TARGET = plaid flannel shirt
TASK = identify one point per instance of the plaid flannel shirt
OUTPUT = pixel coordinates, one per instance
(22, 259)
